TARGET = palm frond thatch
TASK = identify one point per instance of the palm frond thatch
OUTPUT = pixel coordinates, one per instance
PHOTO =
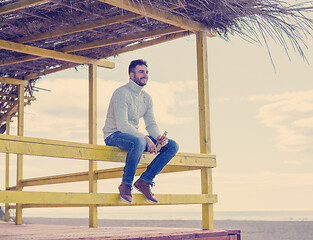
(256, 21)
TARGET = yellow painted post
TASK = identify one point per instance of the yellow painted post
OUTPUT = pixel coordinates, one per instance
(7, 169)
(20, 132)
(93, 211)
(204, 125)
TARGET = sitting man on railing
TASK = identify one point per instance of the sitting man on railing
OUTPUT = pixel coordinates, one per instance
(128, 104)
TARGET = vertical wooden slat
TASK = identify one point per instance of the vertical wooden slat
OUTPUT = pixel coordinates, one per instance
(20, 132)
(7, 169)
(204, 125)
(93, 211)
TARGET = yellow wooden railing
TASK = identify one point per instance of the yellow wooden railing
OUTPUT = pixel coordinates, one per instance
(71, 150)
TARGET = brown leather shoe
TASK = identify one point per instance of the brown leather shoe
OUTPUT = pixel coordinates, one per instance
(125, 192)
(144, 187)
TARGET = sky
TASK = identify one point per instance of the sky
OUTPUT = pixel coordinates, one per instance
(261, 125)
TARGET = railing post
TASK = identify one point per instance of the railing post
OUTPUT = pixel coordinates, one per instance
(7, 169)
(20, 132)
(204, 125)
(93, 211)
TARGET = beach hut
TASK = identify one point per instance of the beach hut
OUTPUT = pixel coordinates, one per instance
(39, 37)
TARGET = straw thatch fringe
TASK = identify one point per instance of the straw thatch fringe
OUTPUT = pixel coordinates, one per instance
(256, 21)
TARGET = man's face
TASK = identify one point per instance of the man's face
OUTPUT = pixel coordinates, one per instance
(140, 75)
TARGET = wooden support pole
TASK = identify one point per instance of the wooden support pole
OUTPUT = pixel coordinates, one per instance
(20, 132)
(93, 212)
(204, 124)
(7, 169)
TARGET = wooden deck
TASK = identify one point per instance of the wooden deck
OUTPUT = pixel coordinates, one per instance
(10, 231)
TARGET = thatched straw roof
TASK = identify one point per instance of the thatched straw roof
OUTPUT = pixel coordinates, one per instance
(98, 29)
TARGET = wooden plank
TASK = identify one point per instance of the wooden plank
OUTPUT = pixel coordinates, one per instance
(19, 5)
(59, 232)
(13, 81)
(100, 175)
(123, 39)
(20, 132)
(150, 43)
(100, 43)
(7, 169)
(93, 211)
(63, 149)
(161, 15)
(101, 199)
(204, 125)
(53, 54)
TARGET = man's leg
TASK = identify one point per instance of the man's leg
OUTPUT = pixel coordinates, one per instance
(159, 162)
(155, 167)
(135, 147)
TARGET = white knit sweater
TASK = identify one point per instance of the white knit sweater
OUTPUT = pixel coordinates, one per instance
(128, 104)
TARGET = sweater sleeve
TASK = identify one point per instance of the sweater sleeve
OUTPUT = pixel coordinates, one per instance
(120, 106)
(151, 125)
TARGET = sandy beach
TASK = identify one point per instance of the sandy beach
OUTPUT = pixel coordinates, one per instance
(251, 230)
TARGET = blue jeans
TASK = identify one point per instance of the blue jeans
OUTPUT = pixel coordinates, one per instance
(135, 147)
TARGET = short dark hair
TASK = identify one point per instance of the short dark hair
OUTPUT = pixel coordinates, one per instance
(134, 63)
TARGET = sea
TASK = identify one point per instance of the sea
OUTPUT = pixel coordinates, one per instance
(168, 213)
(265, 215)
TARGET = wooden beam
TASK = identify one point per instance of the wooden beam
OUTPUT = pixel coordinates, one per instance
(101, 43)
(123, 39)
(79, 28)
(100, 175)
(83, 151)
(100, 199)
(19, 5)
(93, 211)
(149, 43)
(53, 54)
(203, 93)
(13, 81)
(7, 169)
(160, 15)
(204, 125)
(19, 165)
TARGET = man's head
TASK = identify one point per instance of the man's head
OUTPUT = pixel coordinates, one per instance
(138, 72)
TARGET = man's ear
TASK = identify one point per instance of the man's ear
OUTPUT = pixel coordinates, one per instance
(131, 75)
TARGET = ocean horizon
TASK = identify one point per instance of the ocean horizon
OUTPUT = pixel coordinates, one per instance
(134, 213)
(167, 213)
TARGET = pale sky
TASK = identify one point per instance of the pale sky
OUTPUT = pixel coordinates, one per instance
(261, 124)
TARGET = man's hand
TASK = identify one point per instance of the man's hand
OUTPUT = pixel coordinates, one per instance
(151, 148)
(162, 140)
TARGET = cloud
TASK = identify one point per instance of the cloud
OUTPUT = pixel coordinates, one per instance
(170, 96)
(291, 115)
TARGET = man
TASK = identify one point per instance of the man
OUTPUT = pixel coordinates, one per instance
(128, 104)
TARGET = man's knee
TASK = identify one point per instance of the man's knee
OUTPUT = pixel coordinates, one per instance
(140, 143)
(173, 145)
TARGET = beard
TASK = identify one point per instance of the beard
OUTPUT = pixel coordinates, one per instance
(140, 81)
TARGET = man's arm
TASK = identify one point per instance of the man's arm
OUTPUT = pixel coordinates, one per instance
(151, 125)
